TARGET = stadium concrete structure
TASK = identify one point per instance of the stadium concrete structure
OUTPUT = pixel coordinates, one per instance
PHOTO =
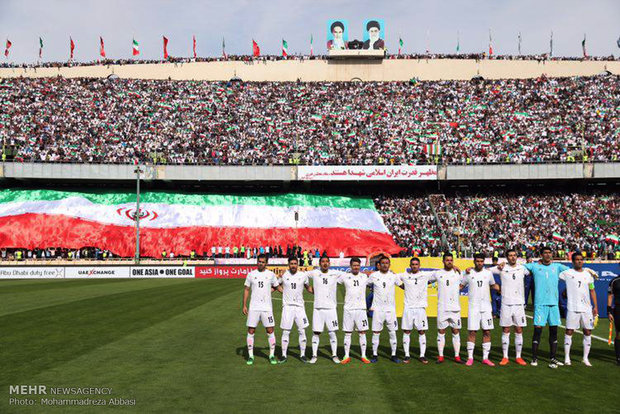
(316, 70)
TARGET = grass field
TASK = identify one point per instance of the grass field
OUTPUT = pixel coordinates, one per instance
(179, 346)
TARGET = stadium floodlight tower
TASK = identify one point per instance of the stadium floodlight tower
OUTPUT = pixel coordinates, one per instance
(138, 170)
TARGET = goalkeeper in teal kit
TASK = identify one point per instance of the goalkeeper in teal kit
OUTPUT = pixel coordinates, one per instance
(546, 303)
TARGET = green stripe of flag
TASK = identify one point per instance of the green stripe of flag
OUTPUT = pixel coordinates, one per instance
(114, 198)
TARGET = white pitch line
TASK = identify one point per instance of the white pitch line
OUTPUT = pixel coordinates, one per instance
(528, 316)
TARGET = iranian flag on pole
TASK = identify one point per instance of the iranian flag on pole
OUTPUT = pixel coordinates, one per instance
(165, 47)
(185, 222)
(284, 48)
(136, 48)
(101, 47)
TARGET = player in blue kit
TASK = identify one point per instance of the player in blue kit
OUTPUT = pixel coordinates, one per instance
(546, 308)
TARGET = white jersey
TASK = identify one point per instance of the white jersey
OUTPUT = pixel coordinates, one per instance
(293, 288)
(479, 289)
(260, 283)
(448, 290)
(383, 298)
(416, 288)
(513, 282)
(577, 290)
(355, 287)
(325, 287)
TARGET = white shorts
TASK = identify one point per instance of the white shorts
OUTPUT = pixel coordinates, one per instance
(296, 314)
(354, 318)
(381, 317)
(265, 317)
(414, 317)
(512, 315)
(477, 319)
(576, 320)
(324, 317)
(448, 318)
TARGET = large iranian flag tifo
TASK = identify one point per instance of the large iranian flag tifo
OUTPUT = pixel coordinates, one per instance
(184, 222)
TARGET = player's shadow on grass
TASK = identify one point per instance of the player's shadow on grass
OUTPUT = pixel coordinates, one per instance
(242, 351)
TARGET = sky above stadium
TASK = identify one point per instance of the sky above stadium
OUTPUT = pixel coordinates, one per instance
(421, 24)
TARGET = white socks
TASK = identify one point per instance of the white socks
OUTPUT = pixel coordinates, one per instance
(456, 343)
(422, 341)
(250, 342)
(363, 345)
(272, 343)
(568, 341)
(518, 344)
(333, 342)
(375, 343)
(302, 343)
(347, 344)
(285, 337)
(441, 343)
(587, 343)
(486, 349)
(393, 342)
(470, 349)
(406, 342)
(315, 345)
(506, 343)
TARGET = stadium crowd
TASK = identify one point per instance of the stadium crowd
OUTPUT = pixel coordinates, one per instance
(489, 224)
(237, 123)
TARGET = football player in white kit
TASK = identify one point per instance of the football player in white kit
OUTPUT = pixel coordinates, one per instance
(448, 306)
(292, 285)
(261, 282)
(355, 315)
(580, 311)
(415, 284)
(512, 285)
(325, 287)
(480, 312)
(383, 282)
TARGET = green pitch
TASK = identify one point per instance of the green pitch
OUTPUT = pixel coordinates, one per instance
(179, 346)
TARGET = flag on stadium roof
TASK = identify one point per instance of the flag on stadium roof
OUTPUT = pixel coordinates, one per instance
(135, 48)
(194, 45)
(284, 48)
(255, 49)
(71, 47)
(583, 46)
(40, 47)
(165, 47)
(101, 47)
(8, 46)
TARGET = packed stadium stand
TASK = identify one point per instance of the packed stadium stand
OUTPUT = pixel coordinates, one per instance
(564, 129)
